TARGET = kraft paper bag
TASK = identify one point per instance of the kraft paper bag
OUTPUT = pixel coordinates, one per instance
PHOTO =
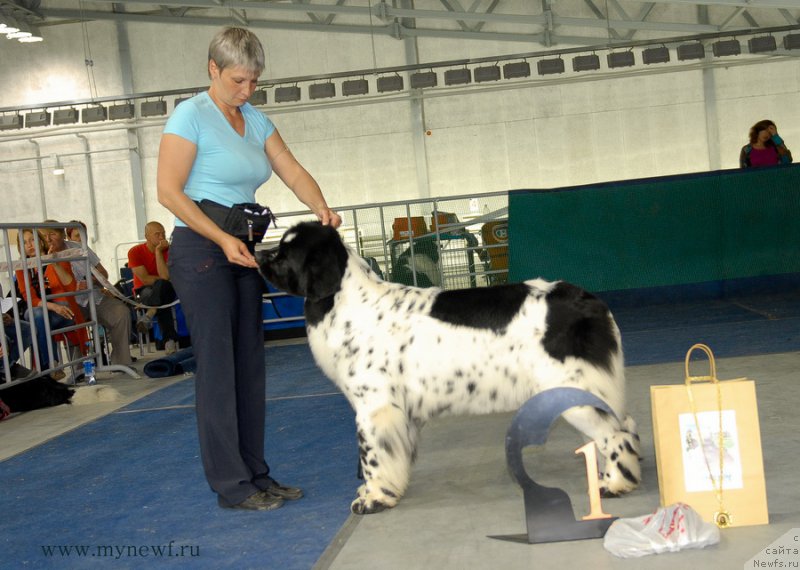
(688, 419)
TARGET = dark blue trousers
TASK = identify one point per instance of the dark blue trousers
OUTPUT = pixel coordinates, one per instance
(222, 304)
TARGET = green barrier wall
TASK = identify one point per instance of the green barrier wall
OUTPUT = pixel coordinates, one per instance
(659, 231)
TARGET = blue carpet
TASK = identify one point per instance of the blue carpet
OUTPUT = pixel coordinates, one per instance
(133, 480)
(736, 326)
(130, 483)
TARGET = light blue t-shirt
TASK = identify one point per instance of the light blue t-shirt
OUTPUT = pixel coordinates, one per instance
(228, 167)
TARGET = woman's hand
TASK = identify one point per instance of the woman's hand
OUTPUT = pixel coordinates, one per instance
(329, 218)
(62, 310)
(236, 252)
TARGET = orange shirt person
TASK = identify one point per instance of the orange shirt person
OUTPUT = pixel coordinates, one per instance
(58, 279)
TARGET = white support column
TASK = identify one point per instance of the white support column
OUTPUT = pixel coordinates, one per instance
(712, 119)
(134, 140)
(710, 99)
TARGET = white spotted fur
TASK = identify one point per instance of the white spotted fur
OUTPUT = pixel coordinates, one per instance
(435, 350)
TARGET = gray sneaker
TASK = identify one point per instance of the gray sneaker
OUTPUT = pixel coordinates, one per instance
(260, 501)
(170, 347)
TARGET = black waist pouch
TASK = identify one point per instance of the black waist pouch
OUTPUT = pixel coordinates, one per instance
(248, 221)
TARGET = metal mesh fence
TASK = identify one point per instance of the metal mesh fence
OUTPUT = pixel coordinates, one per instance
(453, 242)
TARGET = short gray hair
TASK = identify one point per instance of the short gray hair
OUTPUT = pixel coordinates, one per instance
(237, 47)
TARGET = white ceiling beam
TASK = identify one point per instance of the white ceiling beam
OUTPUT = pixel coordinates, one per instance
(734, 3)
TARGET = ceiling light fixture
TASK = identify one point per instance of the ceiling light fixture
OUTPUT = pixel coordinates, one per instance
(36, 35)
(621, 59)
(121, 111)
(691, 51)
(94, 114)
(153, 108)
(457, 76)
(726, 47)
(390, 83)
(424, 79)
(550, 66)
(791, 41)
(287, 94)
(65, 116)
(37, 119)
(321, 91)
(516, 70)
(586, 62)
(487, 73)
(8, 24)
(355, 87)
(655, 55)
(8, 122)
(259, 97)
(762, 44)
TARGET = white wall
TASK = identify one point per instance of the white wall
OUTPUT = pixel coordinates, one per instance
(544, 134)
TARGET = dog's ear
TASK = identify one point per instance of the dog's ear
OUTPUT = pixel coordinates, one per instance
(324, 266)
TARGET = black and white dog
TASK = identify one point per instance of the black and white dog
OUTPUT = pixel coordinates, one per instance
(402, 355)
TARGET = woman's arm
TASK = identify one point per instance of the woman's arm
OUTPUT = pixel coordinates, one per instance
(64, 275)
(744, 158)
(175, 158)
(784, 154)
(34, 301)
(299, 181)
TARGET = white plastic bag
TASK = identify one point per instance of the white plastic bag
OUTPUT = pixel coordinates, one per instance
(669, 529)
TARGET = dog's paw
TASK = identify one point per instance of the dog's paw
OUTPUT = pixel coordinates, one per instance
(362, 506)
(606, 494)
(371, 499)
(621, 477)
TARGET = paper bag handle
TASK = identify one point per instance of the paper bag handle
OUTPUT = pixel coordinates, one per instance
(712, 363)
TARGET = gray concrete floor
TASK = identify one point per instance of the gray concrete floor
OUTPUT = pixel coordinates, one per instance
(461, 493)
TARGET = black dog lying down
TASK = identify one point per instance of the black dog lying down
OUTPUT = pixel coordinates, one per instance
(34, 394)
(402, 355)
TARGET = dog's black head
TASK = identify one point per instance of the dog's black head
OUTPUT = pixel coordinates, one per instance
(310, 261)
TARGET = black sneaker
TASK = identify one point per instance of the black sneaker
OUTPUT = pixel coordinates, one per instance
(260, 501)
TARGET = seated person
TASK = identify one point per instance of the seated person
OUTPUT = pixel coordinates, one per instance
(111, 312)
(63, 312)
(148, 262)
(17, 370)
(74, 234)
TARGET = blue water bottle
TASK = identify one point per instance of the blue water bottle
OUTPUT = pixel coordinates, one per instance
(88, 369)
(88, 372)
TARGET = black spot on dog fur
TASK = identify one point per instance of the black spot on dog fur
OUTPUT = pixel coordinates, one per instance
(578, 325)
(387, 447)
(482, 308)
(627, 474)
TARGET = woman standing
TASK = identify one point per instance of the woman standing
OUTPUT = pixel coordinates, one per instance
(217, 147)
(766, 147)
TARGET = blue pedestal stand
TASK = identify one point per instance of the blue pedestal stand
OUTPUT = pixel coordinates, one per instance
(548, 510)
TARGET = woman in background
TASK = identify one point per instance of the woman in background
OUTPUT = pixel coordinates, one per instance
(63, 311)
(766, 148)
